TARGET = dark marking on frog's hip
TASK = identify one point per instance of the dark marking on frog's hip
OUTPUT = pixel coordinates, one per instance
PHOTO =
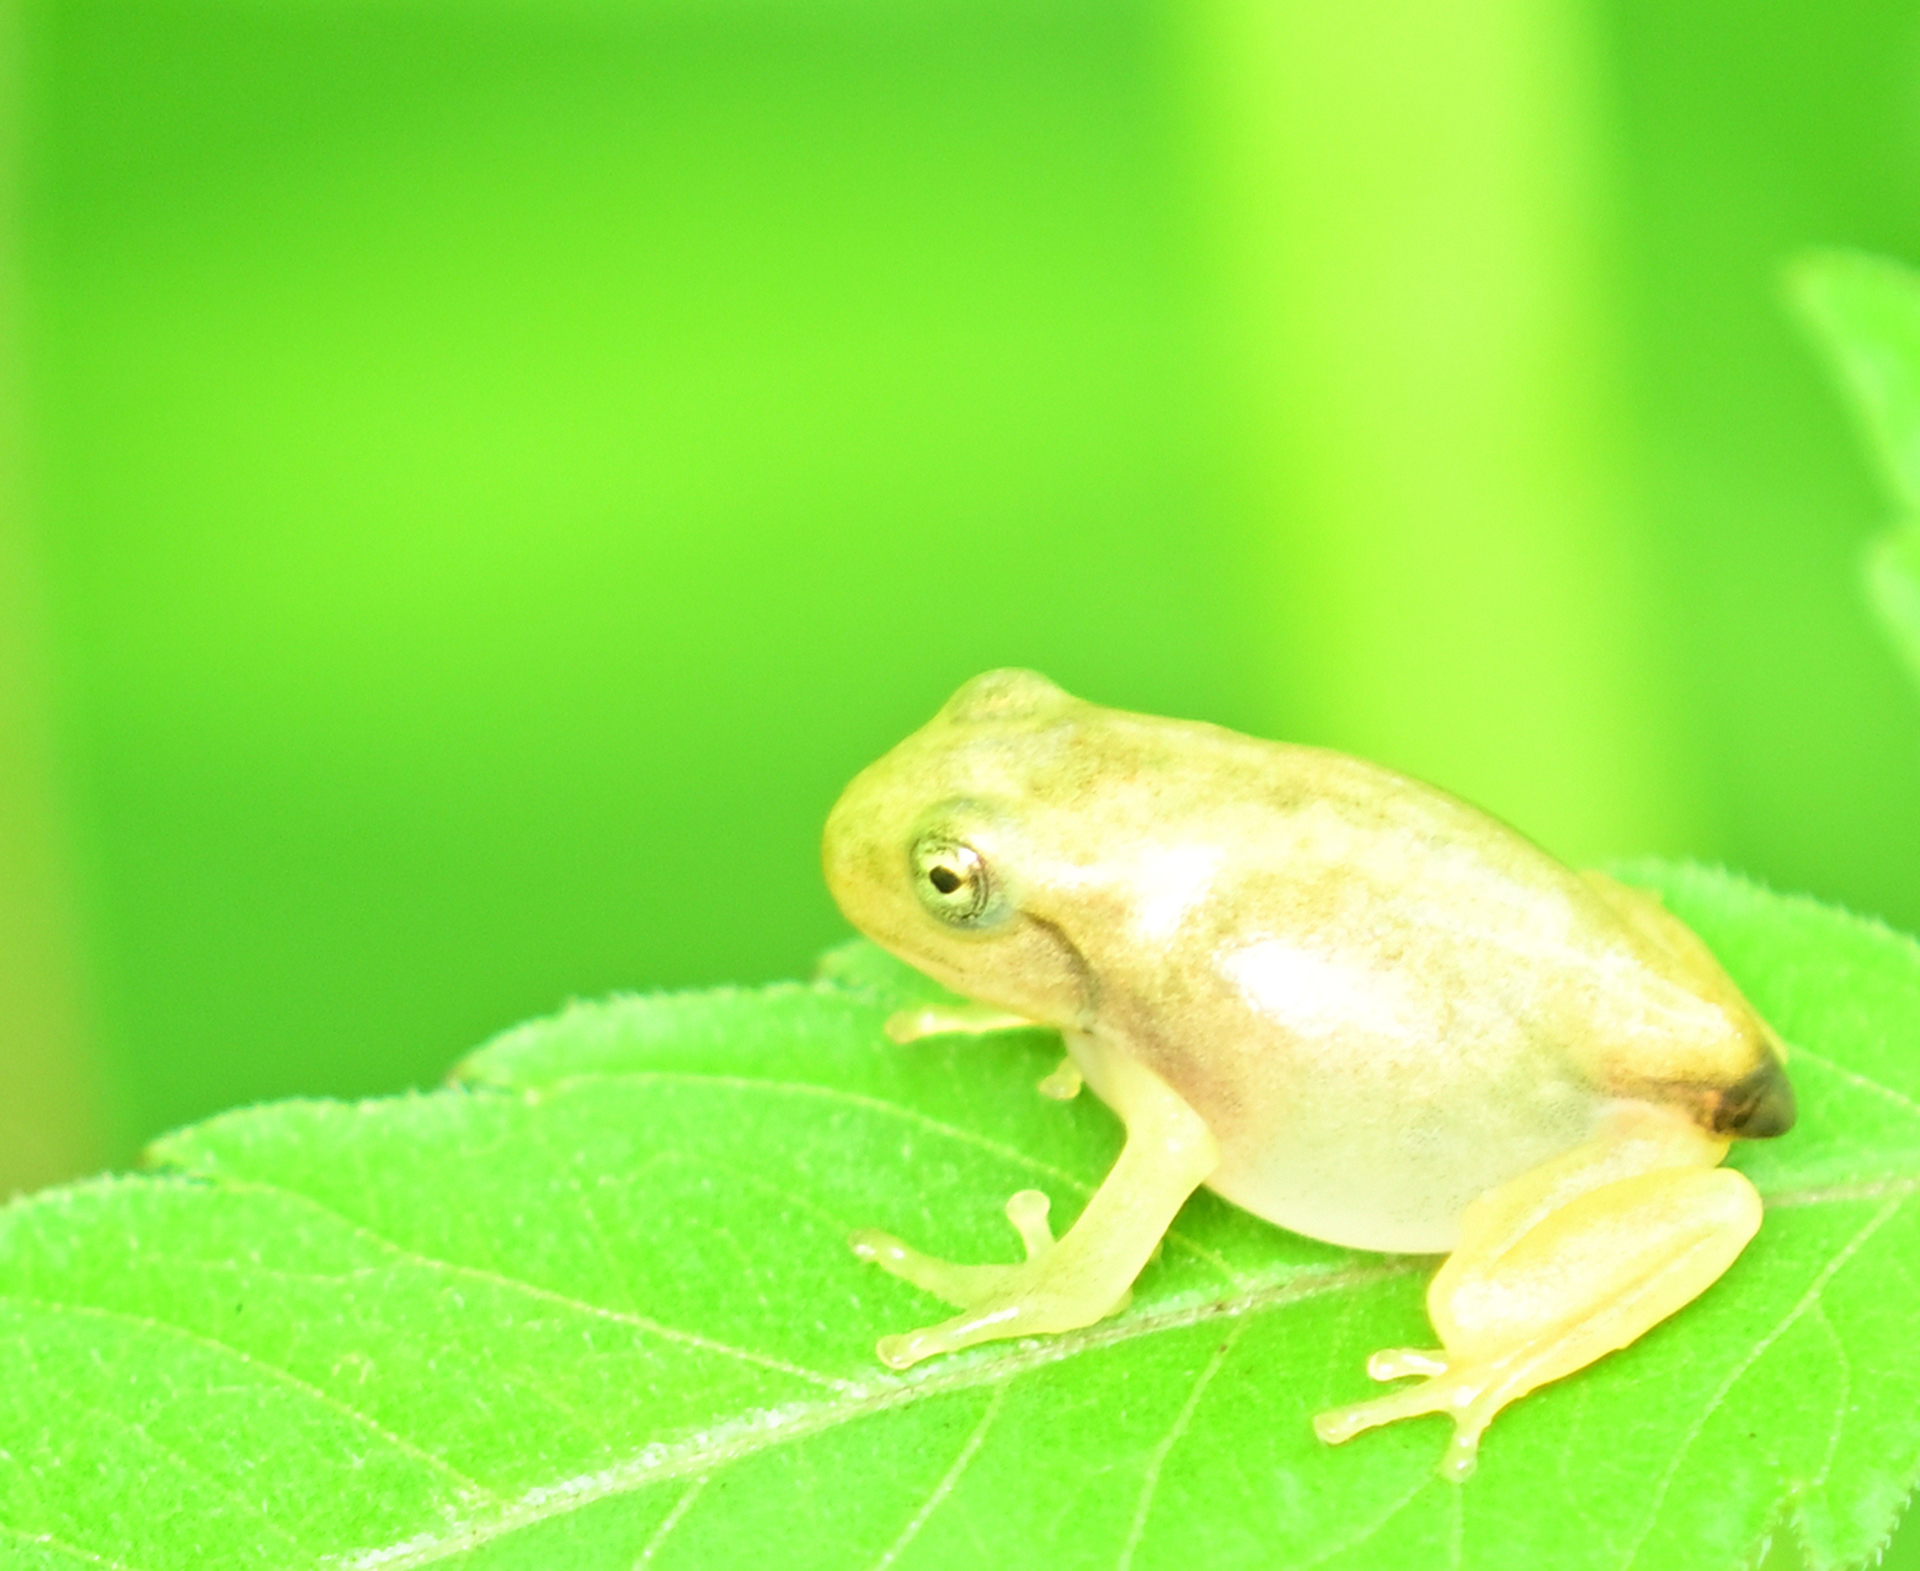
(1756, 1107)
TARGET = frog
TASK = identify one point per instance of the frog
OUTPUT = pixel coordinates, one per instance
(1339, 998)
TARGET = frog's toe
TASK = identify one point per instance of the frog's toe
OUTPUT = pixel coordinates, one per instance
(1025, 1304)
(1027, 1211)
(910, 1347)
(960, 1285)
(996, 1301)
(1396, 1363)
(964, 1286)
(1469, 1393)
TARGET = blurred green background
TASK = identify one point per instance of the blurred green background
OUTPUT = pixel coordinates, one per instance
(479, 478)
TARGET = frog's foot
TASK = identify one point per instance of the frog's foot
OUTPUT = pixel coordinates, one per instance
(962, 1286)
(1470, 1395)
(1088, 1274)
(1561, 1266)
(998, 1300)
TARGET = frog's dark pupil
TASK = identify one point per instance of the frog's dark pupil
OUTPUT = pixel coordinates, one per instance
(944, 879)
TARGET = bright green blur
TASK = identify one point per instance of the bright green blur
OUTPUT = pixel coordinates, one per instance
(501, 469)
(502, 474)
(1410, 223)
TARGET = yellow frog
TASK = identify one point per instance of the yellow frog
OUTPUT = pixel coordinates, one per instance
(1344, 1000)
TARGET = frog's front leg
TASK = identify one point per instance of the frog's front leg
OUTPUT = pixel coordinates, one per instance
(1562, 1265)
(968, 1018)
(974, 1019)
(1088, 1274)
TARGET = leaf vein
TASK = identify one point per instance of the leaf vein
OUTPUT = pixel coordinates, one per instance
(549, 1295)
(61, 1546)
(248, 1504)
(1802, 1306)
(1372, 1528)
(1150, 1479)
(1883, 1188)
(469, 1488)
(538, 1129)
(949, 1479)
(672, 1520)
(861, 1100)
(1865, 1082)
(1842, 1402)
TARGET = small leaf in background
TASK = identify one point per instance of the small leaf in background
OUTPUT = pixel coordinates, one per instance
(1893, 590)
(593, 1307)
(1865, 313)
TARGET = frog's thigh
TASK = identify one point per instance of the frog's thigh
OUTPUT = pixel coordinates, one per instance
(1086, 1275)
(1561, 1266)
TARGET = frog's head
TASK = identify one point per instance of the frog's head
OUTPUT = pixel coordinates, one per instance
(929, 851)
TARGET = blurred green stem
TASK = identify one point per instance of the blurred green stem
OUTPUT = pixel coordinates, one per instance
(1892, 571)
(1409, 211)
(48, 1115)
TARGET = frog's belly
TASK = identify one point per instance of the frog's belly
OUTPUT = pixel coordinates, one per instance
(1343, 1156)
(1394, 1178)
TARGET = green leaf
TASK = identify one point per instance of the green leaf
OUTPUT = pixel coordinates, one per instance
(592, 1307)
(1865, 312)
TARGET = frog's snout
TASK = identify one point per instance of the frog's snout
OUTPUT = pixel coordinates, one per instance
(847, 849)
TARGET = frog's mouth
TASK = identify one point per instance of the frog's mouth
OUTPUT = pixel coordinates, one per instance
(1038, 971)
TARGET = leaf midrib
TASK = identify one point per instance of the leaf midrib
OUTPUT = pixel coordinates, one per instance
(763, 1429)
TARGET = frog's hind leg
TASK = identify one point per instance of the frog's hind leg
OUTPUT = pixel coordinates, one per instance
(1562, 1265)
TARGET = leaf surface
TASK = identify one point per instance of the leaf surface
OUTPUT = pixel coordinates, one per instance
(592, 1307)
(1865, 312)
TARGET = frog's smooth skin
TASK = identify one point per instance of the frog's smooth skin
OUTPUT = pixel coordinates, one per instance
(1344, 1000)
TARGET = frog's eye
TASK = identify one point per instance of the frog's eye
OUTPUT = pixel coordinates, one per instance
(952, 880)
